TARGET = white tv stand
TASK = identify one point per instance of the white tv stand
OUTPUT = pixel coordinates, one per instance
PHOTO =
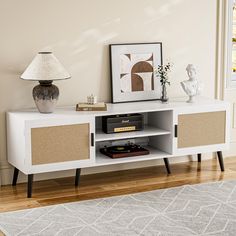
(66, 139)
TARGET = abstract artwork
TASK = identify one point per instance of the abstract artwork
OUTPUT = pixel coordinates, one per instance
(136, 72)
(133, 77)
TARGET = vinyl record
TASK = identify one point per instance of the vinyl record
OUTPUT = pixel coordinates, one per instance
(119, 149)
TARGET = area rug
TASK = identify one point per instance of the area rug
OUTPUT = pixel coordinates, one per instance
(202, 209)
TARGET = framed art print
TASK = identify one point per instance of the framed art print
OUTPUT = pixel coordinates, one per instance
(132, 71)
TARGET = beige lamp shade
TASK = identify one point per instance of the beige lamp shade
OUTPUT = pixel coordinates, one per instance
(45, 66)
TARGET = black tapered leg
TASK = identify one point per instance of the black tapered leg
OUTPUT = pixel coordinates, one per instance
(167, 164)
(30, 185)
(77, 177)
(15, 177)
(221, 161)
(199, 157)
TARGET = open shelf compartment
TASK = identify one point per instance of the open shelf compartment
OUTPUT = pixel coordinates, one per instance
(158, 146)
(157, 137)
(155, 123)
(102, 160)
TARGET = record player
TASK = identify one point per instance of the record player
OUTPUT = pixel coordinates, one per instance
(127, 150)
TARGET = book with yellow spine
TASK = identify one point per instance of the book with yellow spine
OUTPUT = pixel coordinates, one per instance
(101, 106)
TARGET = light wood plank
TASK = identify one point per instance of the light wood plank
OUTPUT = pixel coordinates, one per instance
(114, 183)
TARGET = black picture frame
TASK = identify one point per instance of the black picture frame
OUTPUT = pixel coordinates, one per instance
(130, 47)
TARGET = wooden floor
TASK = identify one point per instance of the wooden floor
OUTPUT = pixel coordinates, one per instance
(114, 183)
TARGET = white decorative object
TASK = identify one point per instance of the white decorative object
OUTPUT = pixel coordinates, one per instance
(91, 99)
(191, 86)
(45, 68)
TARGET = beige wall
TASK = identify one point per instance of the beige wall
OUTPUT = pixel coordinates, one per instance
(79, 31)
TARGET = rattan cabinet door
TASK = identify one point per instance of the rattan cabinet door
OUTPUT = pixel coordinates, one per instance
(200, 129)
(60, 143)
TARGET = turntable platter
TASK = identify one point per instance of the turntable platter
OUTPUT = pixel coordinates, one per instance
(124, 151)
(118, 149)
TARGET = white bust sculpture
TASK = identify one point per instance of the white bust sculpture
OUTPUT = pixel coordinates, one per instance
(191, 86)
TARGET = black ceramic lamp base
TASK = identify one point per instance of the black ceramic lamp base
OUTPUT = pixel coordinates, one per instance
(45, 96)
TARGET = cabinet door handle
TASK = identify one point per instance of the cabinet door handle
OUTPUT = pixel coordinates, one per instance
(176, 131)
(92, 139)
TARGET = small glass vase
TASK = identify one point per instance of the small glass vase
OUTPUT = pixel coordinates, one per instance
(164, 98)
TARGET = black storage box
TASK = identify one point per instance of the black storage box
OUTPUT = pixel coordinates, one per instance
(122, 123)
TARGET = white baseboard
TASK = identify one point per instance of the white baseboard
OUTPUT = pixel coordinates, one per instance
(232, 150)
(7, 171)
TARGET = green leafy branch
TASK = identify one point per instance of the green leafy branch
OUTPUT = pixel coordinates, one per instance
(162, 72)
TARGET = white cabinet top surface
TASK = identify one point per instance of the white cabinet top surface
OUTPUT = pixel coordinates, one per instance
(120, 108)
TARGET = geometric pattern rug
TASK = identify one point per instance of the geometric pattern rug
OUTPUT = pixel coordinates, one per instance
(202, 209)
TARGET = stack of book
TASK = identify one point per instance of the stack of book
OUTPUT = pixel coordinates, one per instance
(101, 106)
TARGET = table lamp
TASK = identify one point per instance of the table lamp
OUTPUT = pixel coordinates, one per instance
(45, 68)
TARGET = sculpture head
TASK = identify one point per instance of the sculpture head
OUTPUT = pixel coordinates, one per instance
(191, 71)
